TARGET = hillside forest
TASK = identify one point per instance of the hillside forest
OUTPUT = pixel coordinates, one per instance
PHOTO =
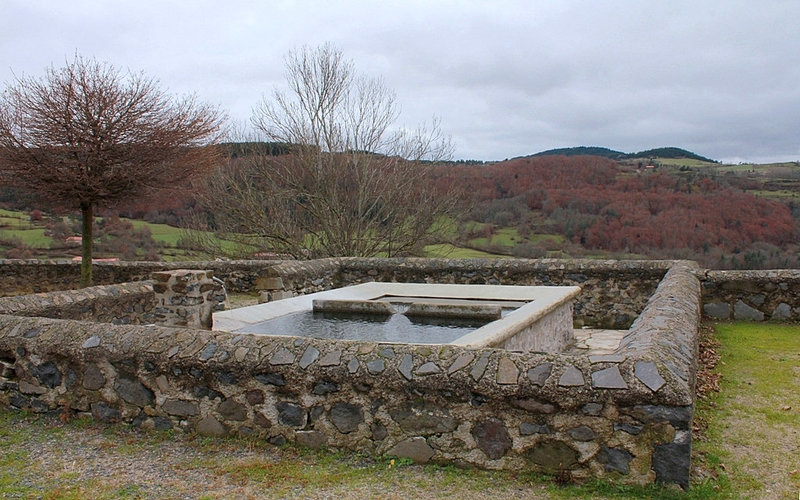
(560, 204)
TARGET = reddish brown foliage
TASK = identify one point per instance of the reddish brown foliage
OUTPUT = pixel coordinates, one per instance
(591, 201)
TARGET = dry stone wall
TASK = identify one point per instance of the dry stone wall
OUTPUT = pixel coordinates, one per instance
(623, 415)
(34, 276)
(614, 292)
(752, 295)
(129, 303)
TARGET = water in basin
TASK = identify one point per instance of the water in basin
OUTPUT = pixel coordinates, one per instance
(396, 328)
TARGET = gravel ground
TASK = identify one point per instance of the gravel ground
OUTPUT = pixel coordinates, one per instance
(41, 457)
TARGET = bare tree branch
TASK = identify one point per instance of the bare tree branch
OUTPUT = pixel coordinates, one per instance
(88, 135)
(353, 183)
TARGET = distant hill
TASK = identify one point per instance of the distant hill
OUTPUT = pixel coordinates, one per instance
(584, 150)
(670, 152)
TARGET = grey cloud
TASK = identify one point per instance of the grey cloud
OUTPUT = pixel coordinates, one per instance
(507, 78)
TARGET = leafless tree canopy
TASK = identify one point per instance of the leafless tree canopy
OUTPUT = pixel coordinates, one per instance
(353, 183)
(88, 134)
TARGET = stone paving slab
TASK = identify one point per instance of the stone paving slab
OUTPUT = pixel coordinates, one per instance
(593, 341)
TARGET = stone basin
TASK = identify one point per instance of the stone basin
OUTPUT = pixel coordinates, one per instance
(533, 318)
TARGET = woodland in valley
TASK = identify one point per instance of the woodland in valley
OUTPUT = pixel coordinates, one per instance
(535, 206)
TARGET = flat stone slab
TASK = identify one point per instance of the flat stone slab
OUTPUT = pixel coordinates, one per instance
(473, 311)
(353, 306)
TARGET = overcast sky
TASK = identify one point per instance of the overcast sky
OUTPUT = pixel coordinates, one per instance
(506, 78)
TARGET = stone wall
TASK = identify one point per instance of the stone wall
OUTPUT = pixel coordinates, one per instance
(752, 295)
(614, 292)
(623, 415)
(129, 303)
(34, 276)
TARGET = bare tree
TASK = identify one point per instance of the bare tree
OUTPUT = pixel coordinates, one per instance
(88, 135)
(353, 183)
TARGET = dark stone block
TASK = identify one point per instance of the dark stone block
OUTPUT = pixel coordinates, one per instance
(379, 431)
(539, 374)
(346, 417)
(362, 387)
(316, 412)
(261, 420)
(104, 413)
(196, 372)
(162, 424)
(32, 333)
(291, 414)
(48, 374)
(615, 459)
(208, 351)
(678, 416)
(18, 401)
(477, 399)
(671, 461)
(278, 440)
(629, 428)
(40, 406)
(93, 378)
(210, 426)
(275, 379)
(527, 429)
(231, 410)
(181, 408)
(254, 397)
(592, 409)
(70, 379)
(202, 391)
(582, 433)
(534, 406)
(134, 392)
(227, 378)
(553, 456)
(323, 388)
(492, 438)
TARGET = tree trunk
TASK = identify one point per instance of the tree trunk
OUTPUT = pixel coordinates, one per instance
(87, 217)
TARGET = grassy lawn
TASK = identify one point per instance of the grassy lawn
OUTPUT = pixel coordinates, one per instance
(753, 436)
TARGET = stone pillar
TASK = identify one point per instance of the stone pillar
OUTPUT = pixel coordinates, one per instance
(183, 298)
(271, 288)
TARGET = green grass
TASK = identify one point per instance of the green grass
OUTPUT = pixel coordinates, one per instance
(754, 421)
(32, 237)
(162, 233)
(682, 162)
(452, 252)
